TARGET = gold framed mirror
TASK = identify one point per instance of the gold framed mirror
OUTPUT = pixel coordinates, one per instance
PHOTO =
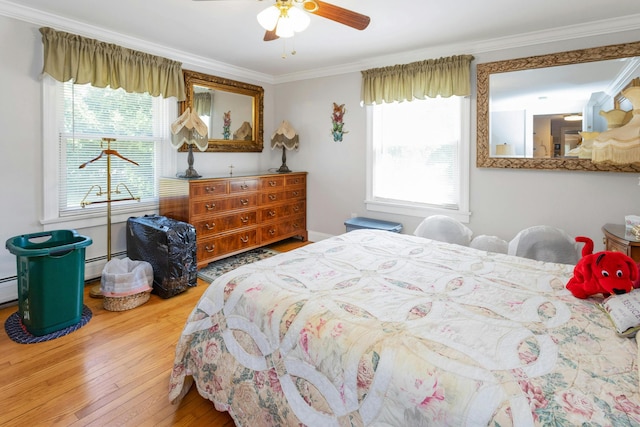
(493, 152)
(231, 110)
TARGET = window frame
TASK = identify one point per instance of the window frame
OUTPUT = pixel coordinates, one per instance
(461, 213)
(52, 218)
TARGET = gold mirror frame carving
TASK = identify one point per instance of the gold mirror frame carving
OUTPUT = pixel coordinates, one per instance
(484, 160)
(256, 144)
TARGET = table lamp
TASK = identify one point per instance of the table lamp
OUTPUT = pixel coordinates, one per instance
(287, 138)
(189, 129)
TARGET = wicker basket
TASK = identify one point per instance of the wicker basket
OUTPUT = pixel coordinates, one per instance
(127, 302)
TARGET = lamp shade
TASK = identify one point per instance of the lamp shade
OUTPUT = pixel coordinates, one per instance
(268, 18)
(285, 136)
(189, 129)
(299, 19)
(285, 20)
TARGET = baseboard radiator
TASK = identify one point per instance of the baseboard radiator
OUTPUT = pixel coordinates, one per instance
(92, 270)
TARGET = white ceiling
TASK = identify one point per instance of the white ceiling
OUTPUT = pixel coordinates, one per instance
(227, 31)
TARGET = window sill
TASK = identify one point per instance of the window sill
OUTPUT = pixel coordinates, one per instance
(98, 217)
(420, 211)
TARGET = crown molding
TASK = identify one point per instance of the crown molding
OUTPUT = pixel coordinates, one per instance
(562, 34)
(554, 35)
(60, 23)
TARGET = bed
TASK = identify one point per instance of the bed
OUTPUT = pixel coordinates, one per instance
(373, 328)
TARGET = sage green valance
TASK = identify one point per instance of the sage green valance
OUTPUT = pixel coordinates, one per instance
(202, 103)
(418, 80)
(69, 56)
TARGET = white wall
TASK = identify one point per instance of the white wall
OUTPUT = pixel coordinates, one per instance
(502, 202)
(21, 160)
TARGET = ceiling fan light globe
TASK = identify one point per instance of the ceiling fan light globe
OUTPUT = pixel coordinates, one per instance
(299, 19)
(284, 28)
(268, 18)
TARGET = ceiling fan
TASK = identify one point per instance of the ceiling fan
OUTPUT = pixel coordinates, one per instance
(284, 18)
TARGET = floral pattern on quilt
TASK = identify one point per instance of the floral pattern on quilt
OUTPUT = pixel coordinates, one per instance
(378, 328)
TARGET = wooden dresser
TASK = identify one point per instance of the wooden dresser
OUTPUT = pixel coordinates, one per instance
(616, 238)
(236, 213)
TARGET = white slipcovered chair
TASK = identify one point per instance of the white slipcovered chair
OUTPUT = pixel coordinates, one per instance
(490, 244)
(444, 229)
(545, 243)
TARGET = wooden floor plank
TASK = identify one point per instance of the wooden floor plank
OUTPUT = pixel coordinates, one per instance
(113, 371)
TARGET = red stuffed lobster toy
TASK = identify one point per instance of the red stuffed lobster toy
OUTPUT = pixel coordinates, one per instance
(605, 272)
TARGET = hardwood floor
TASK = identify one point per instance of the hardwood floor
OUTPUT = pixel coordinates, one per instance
(113, 371)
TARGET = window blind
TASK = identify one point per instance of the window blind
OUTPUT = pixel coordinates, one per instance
(89, 114)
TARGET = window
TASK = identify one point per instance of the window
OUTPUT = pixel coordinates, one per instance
(80, 117)
(419, 157)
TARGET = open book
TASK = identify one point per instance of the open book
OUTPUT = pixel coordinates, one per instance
(624, 311)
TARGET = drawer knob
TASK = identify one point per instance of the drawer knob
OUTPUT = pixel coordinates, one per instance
(272, 197)
(272, 183)
(244, 239)
(296, 226)
(244, 186)
(210, 206)
(244, 220)
(210, 189)
(272, 213)
(209, 248)
(296, 193)
(211, 226)
(272, 232)
(296, 208)
(244, 202)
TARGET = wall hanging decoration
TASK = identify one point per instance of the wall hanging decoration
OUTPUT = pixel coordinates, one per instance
(226, 124)
(337, 121)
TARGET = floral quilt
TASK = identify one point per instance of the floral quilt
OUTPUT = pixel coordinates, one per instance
(374, 328)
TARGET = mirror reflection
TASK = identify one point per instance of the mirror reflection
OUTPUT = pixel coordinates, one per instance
(227, 115)
(231, 110)
(547, 112)
(567, 110)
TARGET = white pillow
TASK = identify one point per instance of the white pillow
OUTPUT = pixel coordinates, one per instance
(444, 229)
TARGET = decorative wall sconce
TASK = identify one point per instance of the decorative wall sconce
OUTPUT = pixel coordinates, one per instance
(287, 138)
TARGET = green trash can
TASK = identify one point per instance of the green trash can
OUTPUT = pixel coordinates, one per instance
(50, 268)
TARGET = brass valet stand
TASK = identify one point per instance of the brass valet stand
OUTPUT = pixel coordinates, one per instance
(95, 291)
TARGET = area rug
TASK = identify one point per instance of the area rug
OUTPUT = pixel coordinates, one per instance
(18, 333)
(218, 268)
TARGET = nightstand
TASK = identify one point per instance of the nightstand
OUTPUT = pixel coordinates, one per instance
(616, 238)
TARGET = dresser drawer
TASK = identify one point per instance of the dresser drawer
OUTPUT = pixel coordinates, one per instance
(294, 225)
(614, 246)
(298, 193)
(272, 197)
(209, 188)
(240, 186)
(289, 227)
(273, 213)
(215, 247)
(296, 208)
(242, 202)
(219, 224)
(209, 206)
(296, 180)
(272, 183)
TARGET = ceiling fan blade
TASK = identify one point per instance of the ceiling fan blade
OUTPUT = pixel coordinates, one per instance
(270, 35)
(340, 15)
